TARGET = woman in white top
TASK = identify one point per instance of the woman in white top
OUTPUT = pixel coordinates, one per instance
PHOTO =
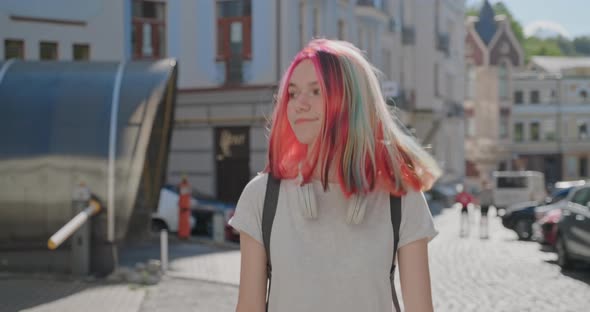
(339, 155)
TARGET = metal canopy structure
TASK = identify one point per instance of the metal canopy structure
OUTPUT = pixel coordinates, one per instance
(105, 124)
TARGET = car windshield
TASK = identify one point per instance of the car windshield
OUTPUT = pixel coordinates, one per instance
(512, 182)
(559, 194)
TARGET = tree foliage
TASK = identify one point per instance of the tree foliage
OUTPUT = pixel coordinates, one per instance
(555, 46)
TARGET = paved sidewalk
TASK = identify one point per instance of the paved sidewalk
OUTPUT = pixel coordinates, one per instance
(468, 274)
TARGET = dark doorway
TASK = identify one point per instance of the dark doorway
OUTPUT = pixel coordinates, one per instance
(232, 154)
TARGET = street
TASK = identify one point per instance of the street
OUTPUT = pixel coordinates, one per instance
(468, 274)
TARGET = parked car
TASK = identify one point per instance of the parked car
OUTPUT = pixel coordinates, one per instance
(520, 217)
(545, 229)
(515, 187)
(166, 217)
(573, 229)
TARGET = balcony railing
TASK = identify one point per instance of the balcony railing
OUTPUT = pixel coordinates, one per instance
(408, 35)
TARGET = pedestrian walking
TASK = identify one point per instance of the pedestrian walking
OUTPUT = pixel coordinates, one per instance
(184, 208)
(465, 199)
(485, 201)
(340, 197)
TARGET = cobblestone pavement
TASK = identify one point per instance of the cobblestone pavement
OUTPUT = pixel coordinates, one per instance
(468, 274)
(501, 273)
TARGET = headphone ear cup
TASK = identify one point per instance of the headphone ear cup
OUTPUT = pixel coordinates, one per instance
(357, 208)
(307, 201)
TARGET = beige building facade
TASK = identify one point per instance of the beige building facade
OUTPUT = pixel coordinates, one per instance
(551, 118)
(493, 56)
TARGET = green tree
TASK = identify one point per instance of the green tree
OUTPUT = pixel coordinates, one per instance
(544, 47)
(500, 8)
(582, 45)
(565, 45)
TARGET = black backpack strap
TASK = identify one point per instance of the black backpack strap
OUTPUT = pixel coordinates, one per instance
(395, 207)
(268, 215)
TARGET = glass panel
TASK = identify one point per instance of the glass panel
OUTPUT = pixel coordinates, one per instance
(535, 97)
(236, 32)
(14, 49)
(549, 130)
(518, 132)
(583, 167)
(535, 135)
(581, 197)
(81, 52)
(146, 48)
(234, 8)
(48, 51)
(518, 97)
(512, 182)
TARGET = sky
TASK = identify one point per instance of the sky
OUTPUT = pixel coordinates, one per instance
(569, 17)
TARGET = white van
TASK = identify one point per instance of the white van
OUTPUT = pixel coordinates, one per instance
(513, 187)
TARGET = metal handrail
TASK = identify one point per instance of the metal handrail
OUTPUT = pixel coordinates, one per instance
(73, 225)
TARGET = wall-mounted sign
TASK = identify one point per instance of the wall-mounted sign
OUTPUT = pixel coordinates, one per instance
(232, 142)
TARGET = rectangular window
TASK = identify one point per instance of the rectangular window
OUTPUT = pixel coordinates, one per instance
(571, 166)
(582, 130)
(47, 51)
(504, 126)
(471, 76)
(81, 52)
(387, 63)
(148, 37)
(302, 30)
(435, 76)
(535, 131)
(341, 29)
(518, 132)
(535, 97)
(234, 37)
(512, 182)
(549, 133)
(583, 167)
(518, 97)
(14, 49)
(316, 22)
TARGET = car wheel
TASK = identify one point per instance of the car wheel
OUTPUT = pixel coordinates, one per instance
(563, 258)
(158, 226)
(523, 229)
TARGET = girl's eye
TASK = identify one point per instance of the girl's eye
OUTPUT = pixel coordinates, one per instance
(292, 95)
(315, 92)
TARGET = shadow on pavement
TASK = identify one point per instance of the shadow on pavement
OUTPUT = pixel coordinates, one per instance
(21, 291)
(129, 255)
(580, 271)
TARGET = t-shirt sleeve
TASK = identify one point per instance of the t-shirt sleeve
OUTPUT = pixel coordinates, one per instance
(417, 222)
(248, 215)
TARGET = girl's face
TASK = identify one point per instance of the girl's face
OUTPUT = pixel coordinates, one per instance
(305, 109)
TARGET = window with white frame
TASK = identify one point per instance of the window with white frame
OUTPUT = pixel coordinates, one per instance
(549, 133)
(504, 125)
(518, 134)
(535, 131)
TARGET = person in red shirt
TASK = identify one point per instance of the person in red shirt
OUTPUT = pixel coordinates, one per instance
(464, 198)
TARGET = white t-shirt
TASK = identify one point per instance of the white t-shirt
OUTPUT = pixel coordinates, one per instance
(325, 263)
